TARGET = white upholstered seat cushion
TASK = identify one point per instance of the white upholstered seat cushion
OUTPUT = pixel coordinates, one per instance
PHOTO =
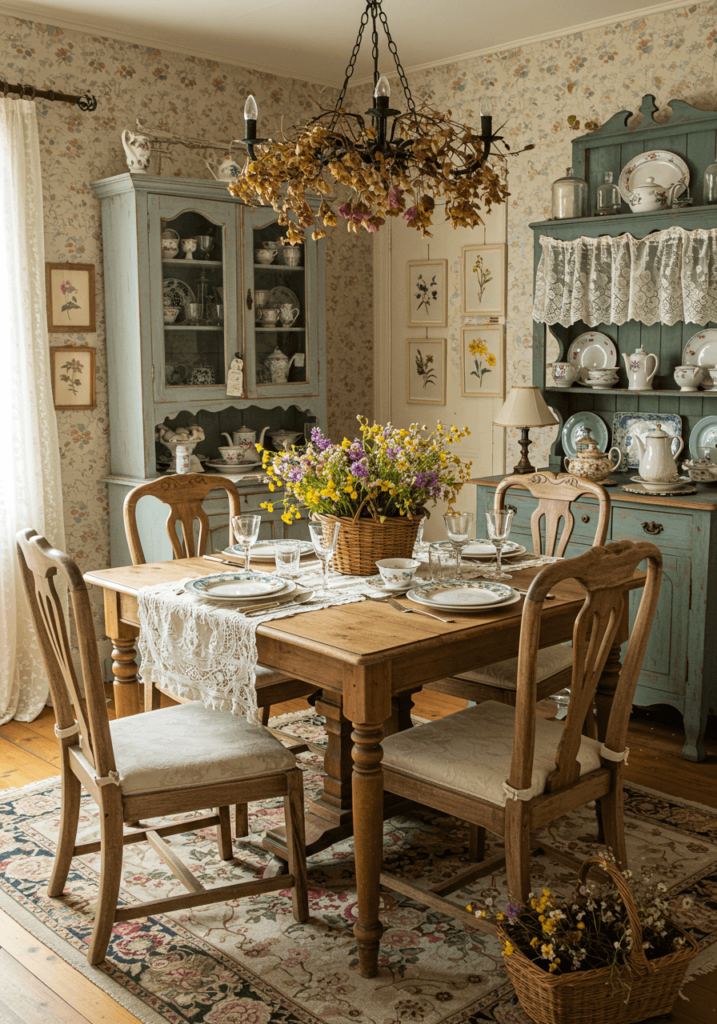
(190, 745)
(470, 751)
(503, 674)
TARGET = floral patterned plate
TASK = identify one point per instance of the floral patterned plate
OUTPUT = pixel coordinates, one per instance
(461, 594)
(264, 550)
(627, 425)
(592, 351)
(701, 349)
(665, 167)
(481, 548)
(376, 583)
(238, 586)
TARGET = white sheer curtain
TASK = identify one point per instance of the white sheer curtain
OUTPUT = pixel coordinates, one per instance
(30, 491)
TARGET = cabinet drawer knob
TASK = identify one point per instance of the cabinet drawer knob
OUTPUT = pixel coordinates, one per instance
(653, 528)
(511, 508)
(249, 300)
(585, 519)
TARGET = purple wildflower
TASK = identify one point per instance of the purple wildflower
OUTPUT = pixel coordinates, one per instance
(321, 442)
(294, 474)
(393, 452)
(360, 469)
(421, 480)
(512, 910)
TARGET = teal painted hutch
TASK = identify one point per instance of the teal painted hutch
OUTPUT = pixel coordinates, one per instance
(680, 667)
(175, 373)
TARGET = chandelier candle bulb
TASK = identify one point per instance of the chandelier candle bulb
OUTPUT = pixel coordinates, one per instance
(485, 109)
(383, 88)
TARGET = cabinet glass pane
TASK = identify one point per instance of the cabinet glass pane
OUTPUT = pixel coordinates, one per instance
(194, 328)
(280, 308)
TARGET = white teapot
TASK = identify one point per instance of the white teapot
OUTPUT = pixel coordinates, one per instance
(245, 438)
(653, 196)
(638, 376)
(657, 463)
(278, 365)
(226, 170)
(137, 150)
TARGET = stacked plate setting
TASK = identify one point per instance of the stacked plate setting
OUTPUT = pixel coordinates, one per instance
(264, 550)
(248, 590)
(463, 596)
(483, 550)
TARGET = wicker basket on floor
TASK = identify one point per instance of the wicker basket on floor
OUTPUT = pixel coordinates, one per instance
(362, 542)
(594, 997)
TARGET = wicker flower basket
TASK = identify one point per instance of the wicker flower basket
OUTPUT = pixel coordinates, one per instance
(362, 542)
(594, 997)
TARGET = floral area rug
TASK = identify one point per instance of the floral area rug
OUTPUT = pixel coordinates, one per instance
(249, 962)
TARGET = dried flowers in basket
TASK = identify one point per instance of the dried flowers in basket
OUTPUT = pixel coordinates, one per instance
(596, 958)
(377, 486)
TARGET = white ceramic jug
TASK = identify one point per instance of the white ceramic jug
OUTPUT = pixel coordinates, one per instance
(638, 376)
(225, 170)
(137, 150)
(278, 365)
(657, 463)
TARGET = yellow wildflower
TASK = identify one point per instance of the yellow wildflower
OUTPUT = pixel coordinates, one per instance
(508, 948)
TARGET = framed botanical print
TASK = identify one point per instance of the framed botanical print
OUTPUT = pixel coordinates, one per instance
(483, 280)
(73, 376)
(483, 361)
(70, 289)
(427, 293)
(426, 371)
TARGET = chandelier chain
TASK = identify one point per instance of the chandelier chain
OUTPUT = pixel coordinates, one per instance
(399, 67)
(350, 67)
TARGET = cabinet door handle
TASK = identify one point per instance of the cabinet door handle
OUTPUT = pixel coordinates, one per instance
(249, 300)
(511, 508)
(653, 528)
(584, 519)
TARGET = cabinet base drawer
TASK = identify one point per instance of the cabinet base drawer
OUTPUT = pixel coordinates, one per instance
(666, 529)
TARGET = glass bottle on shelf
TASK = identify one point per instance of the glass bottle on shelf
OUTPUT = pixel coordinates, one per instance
(570, 197)
(709, 183)
(607, 197)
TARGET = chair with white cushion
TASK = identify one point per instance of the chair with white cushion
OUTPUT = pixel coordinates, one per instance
(554, 664)
(507, 770)
(177, 760)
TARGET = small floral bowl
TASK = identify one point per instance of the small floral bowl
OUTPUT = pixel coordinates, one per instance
(265, 255)
(170, 314)
(396, 572)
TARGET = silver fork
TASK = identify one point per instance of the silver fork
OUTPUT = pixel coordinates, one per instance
(414, 611)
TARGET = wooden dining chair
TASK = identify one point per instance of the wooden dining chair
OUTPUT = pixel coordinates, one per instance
(510, 771)
(555, 496)
(172, 761)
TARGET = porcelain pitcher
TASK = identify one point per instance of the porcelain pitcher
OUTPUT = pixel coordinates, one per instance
(639, 377)
(137, 150)
(657, 463)
(279, 364)
(245, 438)
(225, 170)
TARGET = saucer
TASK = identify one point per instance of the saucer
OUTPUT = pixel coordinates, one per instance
(663, 486)
(377, 583)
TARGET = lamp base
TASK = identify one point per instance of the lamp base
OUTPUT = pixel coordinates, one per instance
(524, 465)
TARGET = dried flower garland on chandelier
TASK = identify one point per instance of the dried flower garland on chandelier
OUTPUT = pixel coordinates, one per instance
(423, 158)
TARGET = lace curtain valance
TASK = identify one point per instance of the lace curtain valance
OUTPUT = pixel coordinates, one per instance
(669, 276)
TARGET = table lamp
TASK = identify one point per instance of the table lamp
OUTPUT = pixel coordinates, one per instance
(524, 407)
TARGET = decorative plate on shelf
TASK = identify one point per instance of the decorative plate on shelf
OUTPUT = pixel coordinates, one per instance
(176, 293)
(592, 351)
(575, 428)
(665, 167)
(701, 349)
(281, 294)
(628, 425)
(703, 435)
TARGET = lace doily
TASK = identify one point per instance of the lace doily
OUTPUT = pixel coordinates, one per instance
(668, 277)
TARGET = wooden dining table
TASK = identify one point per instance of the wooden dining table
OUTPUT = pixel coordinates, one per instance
(367, 658)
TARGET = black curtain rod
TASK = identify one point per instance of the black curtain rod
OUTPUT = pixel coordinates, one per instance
(84, 102)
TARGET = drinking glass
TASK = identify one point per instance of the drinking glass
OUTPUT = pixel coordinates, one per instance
(458, 528)
(441, 562)
(419, 548)
(287, 554)
(324, 537)
(246, 531)
(499, 523)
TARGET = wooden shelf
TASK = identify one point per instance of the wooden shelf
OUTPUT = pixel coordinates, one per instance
(674, 392)
(194, 263)
(276, 266)
(278, 330)
(189, 327)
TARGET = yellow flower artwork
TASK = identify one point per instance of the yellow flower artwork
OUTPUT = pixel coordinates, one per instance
(482, 361)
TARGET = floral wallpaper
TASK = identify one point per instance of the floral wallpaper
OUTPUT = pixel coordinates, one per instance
(535, 89)
(190, 95)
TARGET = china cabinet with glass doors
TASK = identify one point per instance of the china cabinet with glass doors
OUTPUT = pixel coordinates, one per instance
(194, 281)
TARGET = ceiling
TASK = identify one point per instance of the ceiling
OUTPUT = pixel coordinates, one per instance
(312, 39)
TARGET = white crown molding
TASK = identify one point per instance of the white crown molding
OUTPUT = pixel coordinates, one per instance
(160, 44)
(515, 44)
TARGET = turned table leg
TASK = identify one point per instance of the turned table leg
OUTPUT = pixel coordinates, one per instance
(124, 667)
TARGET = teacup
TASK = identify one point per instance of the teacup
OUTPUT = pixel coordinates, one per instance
(563, 374)
(269, 316)
(231, 455)
(712, 371)
(261, 295)
(689, 377)
(170, 314)
(189, 246)
(397, 572)
(265, 255)
(602, 378)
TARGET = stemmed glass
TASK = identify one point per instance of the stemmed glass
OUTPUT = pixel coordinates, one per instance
(499, 523)
(246, 531)
(324, 537)
(458, 528)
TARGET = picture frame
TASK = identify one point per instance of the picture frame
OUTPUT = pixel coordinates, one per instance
(73, 376)
(70, 293)
(426, 371)
(483, 278)
(483, 367)
(427, 293)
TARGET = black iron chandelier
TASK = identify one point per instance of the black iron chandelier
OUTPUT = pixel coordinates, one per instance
(393, 163)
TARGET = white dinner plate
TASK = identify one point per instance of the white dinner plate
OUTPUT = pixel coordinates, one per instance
(665, 167)
(416, 596)
(701, 349)
(461, 593)
(490, 553)
(264, 550)
(238, 586)
(592, 351)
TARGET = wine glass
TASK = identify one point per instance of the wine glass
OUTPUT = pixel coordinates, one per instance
(246, 531)
(324, 537)
(499, 522)
(458, 528)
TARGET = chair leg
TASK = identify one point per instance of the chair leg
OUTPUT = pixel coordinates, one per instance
(224, 834)
(241, 820)
(611, 812)
(69, 816)
(152, 696)
(110, 873)
(265, 714)
(296, 842)
(476, 843)
(517, 848)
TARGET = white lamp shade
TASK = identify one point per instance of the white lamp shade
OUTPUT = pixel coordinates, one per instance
(524, 407)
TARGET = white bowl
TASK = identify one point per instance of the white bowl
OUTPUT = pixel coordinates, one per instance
(397, 572)
(265, 255)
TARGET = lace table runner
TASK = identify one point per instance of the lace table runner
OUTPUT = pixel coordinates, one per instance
(206, 650)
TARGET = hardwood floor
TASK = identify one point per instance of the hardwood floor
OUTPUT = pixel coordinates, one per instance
(38, 987)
